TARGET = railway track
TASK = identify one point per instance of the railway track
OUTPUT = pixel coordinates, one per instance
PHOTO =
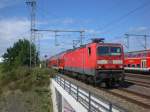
(141, 76)
(138, 79)
(132, 97)
(138, 83)
(136, 93)
(129, 96)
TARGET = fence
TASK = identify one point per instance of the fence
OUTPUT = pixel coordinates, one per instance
(87, 98)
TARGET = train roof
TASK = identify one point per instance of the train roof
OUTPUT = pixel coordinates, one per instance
(82, 46)
(139, 51)
(57, 55)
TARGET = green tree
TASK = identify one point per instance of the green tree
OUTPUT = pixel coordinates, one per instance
(19, 55)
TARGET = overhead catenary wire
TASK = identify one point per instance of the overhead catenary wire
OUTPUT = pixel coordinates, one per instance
(125, 15)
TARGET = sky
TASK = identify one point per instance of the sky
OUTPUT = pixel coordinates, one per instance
(109, 19)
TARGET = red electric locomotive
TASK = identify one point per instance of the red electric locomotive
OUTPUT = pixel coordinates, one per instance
(137, 61)
(96, 62)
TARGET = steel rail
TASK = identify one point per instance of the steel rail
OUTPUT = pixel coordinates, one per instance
(135, 93)
(138, 81)
(130, 99)
(139, 84)
(142, 76)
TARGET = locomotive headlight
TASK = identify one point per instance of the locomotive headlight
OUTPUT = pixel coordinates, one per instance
(120, 66)
(99, 67)
(102, 62)
(117, 62)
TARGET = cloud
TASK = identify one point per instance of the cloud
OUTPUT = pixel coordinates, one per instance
(11, 31)
(62, 21)
(140, 29)
(16, 28)
(92, 31)
(68, 21)
(6, 3)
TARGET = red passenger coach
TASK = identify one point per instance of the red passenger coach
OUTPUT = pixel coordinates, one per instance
(96, 62)
(53, 62)
(57, 61)
(138, 61)
(61, 61)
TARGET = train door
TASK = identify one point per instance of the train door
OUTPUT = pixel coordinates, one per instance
(143, 63)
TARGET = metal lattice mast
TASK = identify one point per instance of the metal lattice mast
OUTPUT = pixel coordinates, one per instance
(37, 44)
(32, 4)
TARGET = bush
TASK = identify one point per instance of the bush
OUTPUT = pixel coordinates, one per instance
(14, 75)
(33, 84)
(26, 78)
(42, 76)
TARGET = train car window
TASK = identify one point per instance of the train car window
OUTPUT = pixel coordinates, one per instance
(89, 51)
(128, 65)
(133, 65)
(108, 50)
(138, 65)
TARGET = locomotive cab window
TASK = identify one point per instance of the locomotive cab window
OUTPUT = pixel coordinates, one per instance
(89, 51)
(115, 50)
(103, 50)
(108, 50)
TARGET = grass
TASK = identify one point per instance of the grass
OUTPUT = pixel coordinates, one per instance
(31, 86)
